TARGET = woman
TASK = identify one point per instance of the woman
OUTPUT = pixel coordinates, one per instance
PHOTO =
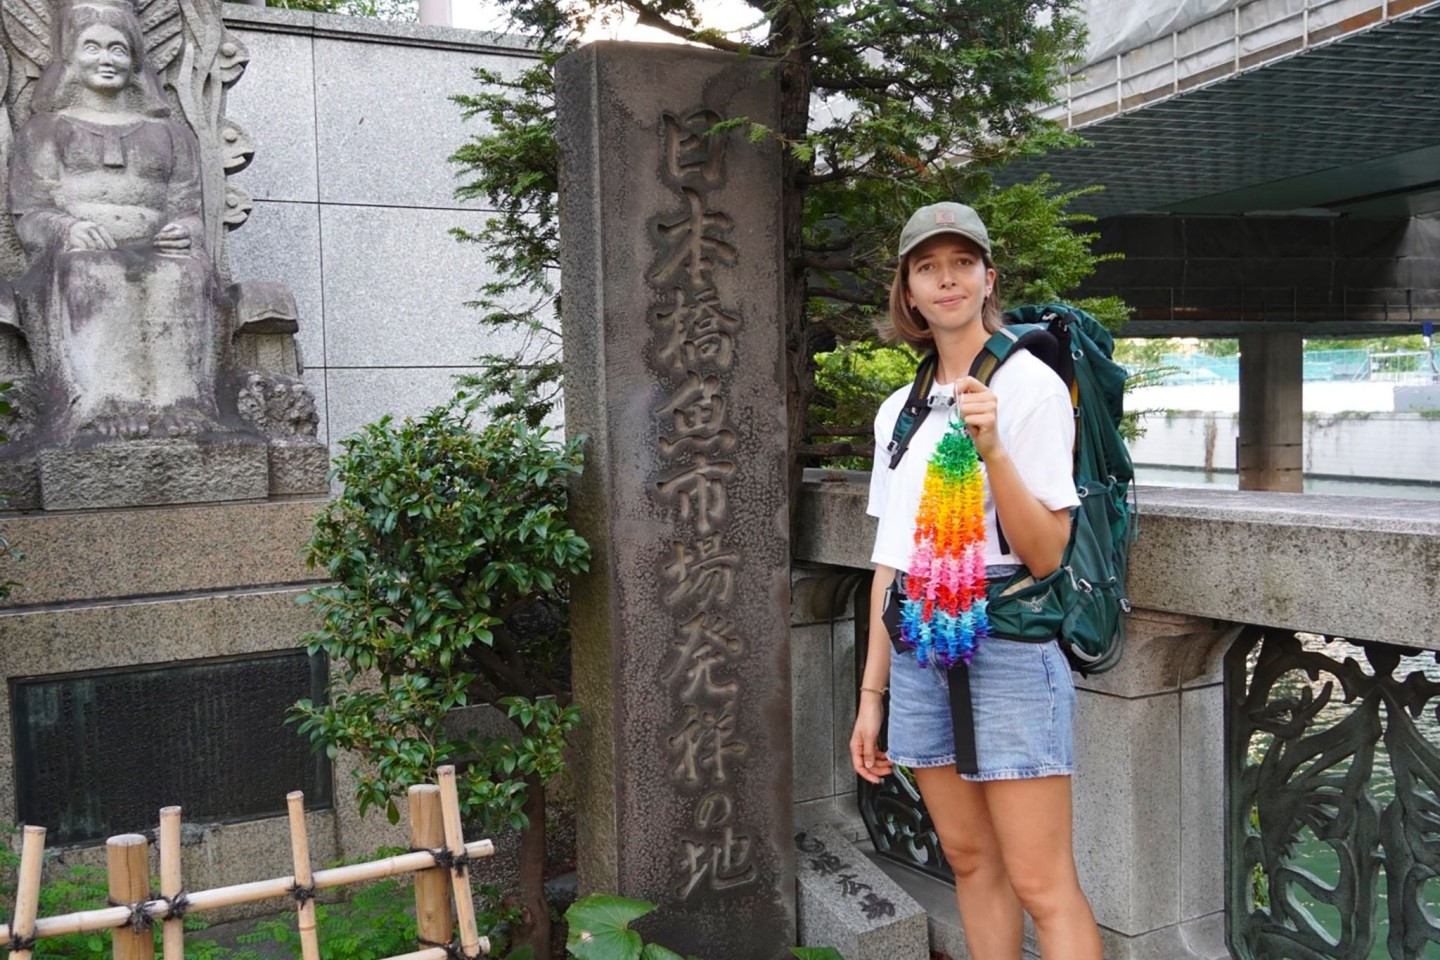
(105, 188)
(1005, 828)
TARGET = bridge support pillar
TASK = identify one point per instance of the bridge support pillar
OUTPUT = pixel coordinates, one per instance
(1270, 454)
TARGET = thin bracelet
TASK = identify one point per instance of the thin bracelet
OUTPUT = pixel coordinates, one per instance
(880, 692)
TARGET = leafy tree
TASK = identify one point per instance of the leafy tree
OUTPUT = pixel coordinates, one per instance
(444, 548)
(918, 101)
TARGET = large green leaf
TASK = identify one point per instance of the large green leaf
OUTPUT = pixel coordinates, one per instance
(600, 928)
(816, 953)
(653, 951)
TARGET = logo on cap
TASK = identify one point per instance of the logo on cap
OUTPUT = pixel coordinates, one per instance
(945, 216)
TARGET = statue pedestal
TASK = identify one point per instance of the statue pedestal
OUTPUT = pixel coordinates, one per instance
(134, 473)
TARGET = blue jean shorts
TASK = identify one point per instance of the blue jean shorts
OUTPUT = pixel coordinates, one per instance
(1024, 706)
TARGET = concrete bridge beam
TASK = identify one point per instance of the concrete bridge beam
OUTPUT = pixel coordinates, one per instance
(1270, 453)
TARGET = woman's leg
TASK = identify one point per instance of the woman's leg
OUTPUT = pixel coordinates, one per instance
(989, 908)
(1032, 822)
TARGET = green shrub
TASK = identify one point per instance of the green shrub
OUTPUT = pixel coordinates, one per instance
(441, 547)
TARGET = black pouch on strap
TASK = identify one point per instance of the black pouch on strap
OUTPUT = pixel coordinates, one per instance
(962, 719)
(890, 617)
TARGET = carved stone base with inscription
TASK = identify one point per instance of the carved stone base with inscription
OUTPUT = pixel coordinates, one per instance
(849, 903)
(671, 265)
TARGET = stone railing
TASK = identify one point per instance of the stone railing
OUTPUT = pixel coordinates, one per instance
(1182, 749)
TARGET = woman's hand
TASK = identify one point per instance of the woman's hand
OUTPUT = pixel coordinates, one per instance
(977, 405)
(172, 236)
(871, 764)
(85, 235)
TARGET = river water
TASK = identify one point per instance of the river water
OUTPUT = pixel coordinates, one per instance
(1320, 858)
(1229, 480)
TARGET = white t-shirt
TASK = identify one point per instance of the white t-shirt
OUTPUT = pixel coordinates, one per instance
(1036, 426)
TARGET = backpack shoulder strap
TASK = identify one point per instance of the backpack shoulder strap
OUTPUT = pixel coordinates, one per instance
(916, 409)
(1004, 343)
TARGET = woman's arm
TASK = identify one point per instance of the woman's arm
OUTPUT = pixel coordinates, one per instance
(1037, 534)
(870, 763)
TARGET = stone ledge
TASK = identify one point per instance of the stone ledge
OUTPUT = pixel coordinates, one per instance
(370, 30)
(97, 555)
(1356, 567)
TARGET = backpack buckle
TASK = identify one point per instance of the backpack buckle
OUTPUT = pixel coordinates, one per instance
(938, 400)
(892, 446)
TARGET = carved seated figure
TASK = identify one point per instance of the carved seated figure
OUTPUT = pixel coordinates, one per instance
(105, 187)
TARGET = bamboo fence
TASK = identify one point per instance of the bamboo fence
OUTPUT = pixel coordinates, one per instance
(440, 862)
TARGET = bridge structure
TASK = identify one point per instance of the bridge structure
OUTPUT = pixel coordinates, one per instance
(1270, 172)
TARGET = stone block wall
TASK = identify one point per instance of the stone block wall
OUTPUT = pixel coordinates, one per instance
(822, 684)
(112, 589)
(354, 200)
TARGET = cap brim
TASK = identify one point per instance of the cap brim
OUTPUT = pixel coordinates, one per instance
(937, 231)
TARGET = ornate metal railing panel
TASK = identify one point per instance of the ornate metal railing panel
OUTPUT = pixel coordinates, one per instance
(899, 825)
(895, 817)
(1332, 798)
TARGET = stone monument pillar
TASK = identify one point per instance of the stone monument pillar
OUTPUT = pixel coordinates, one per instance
(672, 273)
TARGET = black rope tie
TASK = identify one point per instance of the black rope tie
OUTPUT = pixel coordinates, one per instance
(19, 943)
(176, 906)
(446, 860)
(139, 920)
(301, 894)
(453, 950)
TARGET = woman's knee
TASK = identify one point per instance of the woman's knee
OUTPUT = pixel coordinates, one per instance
(969, 856)
(1046, 890)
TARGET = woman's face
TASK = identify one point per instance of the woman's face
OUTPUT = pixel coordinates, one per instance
(947, 281)
(103, 58)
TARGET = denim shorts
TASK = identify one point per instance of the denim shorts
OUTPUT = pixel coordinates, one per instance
(1024, 705)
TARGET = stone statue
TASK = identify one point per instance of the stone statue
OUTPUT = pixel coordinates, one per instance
(105, 188)
(123, 331)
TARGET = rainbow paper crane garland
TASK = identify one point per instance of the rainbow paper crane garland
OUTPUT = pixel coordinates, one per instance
(943, 615)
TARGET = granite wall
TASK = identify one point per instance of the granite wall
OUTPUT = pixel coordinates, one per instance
(354, 200)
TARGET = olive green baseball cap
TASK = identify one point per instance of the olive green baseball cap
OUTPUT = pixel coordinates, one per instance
(938, 218)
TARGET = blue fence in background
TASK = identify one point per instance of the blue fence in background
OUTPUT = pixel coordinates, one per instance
(1415, 366)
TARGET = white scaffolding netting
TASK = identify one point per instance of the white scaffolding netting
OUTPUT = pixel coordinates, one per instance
(1118, 25)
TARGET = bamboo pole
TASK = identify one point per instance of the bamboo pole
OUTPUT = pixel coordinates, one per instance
(27, 889)
(128, 867)
(433, 920)
(429, 953)
(471, 943)
(107, 918)
(304, 899)
(171, 885)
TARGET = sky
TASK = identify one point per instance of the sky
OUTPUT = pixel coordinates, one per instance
(719, 14)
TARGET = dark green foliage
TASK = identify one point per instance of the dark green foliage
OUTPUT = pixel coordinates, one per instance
(600, 930)
(918, 102)
(374, 922)
(517, 173)
(441, 541)
(65, 889)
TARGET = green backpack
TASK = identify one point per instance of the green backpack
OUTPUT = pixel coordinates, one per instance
(1083, 602)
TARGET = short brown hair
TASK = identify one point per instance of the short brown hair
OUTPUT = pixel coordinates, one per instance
(907, 326)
